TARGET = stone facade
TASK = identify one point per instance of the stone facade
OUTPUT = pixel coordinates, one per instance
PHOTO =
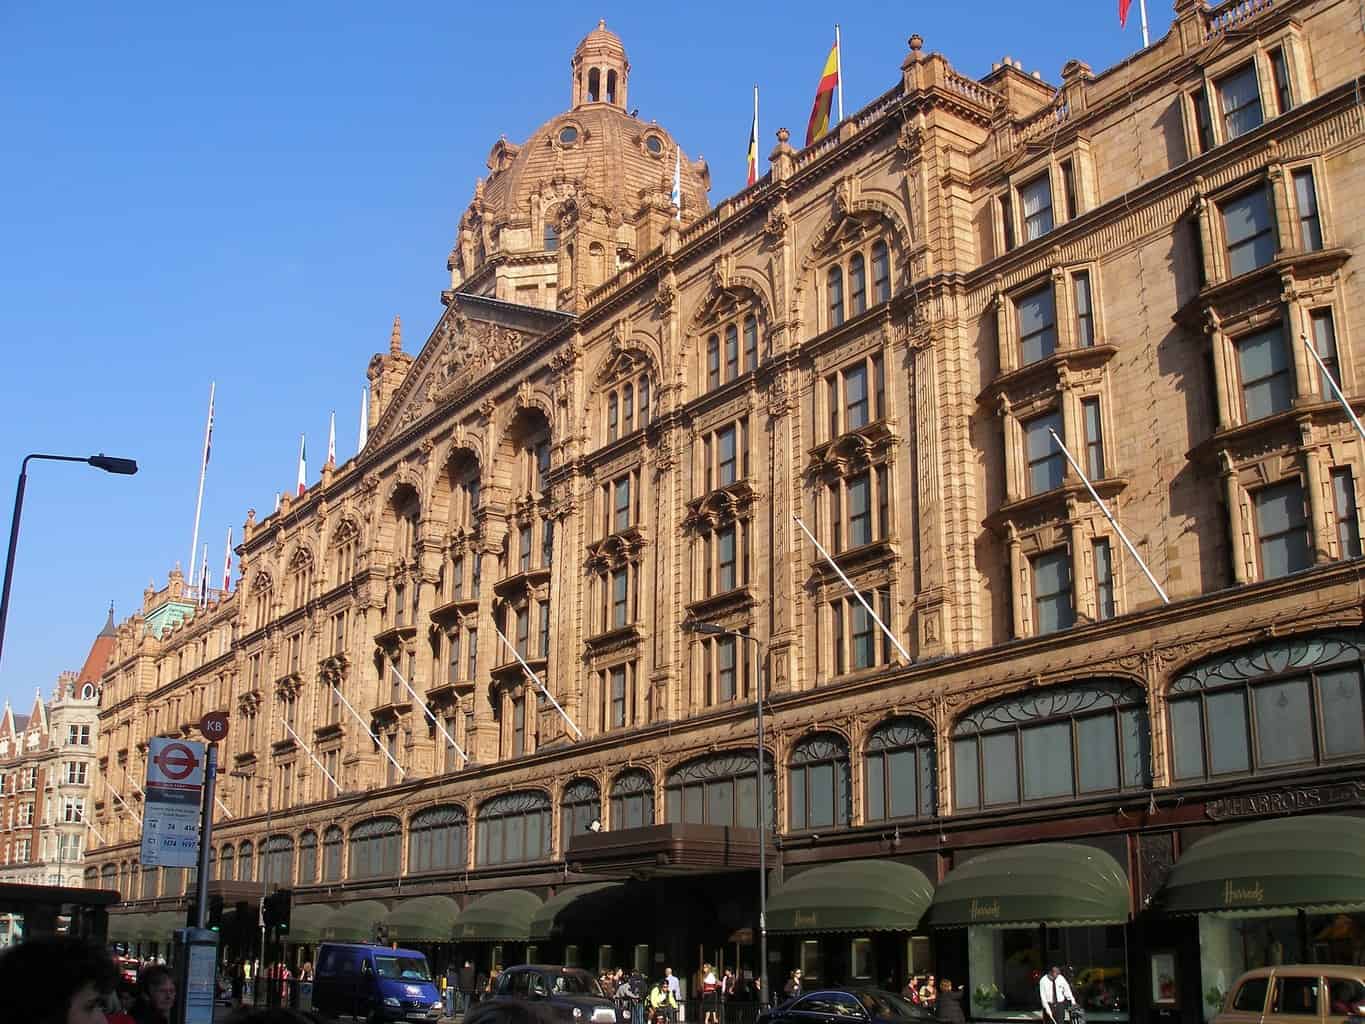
(873, 340)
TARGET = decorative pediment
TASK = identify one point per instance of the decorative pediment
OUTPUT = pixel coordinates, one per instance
(616, 551)
(622, 364)
(853, 452)
(720, 506)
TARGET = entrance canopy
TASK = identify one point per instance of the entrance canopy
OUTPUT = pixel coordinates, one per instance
(1042, 883)
(498, 917)
(422, 919)
(855, 895)
(1309, 861)
(308, 922)
(581, 903)
(354, 922)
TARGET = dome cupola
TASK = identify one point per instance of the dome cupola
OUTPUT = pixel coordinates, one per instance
(600, 69)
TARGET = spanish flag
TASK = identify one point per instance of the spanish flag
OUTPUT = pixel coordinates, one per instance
(753, 143)
(824, 96)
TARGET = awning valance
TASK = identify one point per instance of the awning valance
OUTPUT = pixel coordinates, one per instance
(498, 917)
(354, 922)
(422, 919)
(1310, 861)
(1051, 883)
(573, 904)
(855, 895)
(156, 927)
(308, 922)
(122, 927)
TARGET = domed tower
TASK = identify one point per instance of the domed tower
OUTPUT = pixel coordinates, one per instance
(600, 69)
(586, 195)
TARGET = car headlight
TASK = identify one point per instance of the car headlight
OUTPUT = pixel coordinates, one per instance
(437, 1005)
(391, 1001)
(577, 1013)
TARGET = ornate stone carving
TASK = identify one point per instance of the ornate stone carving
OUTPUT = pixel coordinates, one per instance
(775, 227)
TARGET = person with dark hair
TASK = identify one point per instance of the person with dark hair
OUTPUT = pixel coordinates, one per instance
(57, 980)
(949, 1004)
(155, 995)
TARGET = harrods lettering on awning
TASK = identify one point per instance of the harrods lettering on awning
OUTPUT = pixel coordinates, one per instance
(1042, 883)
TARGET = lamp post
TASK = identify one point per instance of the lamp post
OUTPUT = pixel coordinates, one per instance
(711, 629)
(108, 463)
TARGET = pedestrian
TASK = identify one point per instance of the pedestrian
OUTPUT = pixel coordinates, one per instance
(727, 992)
(1054, 991)
(710, 995)
(57, 979)
(465, 987)
(662, 1004)
(949, 1005)
(793, 987)
(155, 996)
(493, 980)
(674, 992)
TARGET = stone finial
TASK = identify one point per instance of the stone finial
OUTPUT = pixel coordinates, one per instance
(396, 336)
(601, 22)
(916, 46)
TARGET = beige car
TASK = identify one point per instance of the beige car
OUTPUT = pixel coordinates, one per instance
(1296, 994)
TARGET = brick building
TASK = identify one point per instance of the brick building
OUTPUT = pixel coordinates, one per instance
(609, 436)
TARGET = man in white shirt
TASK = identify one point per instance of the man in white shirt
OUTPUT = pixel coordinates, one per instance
(1055, 993)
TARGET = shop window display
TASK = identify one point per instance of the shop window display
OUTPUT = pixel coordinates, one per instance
(1007, 963)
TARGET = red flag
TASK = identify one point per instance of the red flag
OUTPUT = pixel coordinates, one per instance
(753, 144)
(1123, 12)
(824, 97)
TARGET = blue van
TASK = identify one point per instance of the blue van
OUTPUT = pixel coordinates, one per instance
(374, 983)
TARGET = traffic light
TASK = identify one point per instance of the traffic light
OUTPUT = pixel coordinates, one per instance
(276, 909)
(215, 917)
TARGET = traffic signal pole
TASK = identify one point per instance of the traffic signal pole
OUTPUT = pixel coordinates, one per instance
(201, 888)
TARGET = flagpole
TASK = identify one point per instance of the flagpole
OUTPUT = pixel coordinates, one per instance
(1146, 40)
(299, 740)
(536, 679)
(204, 577)
(364, 435)
(1110, 516)
(1331, 383)
(364, 725)
(227, 563)
(839, 70)
(203, 471)
(423, 705)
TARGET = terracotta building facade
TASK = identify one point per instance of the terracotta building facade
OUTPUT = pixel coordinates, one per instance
(628, 417)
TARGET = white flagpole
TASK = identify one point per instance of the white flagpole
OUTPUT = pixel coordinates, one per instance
(364, 419)
(839, 70)
(98, 834)
(365, 725)
(219, 801)
(1331, 383)
(536, 679)
(423, 705)
(227, 562)
(303, 464)
(203, 472)
(299, 740)
(332, 440)
(854, 591)
(125, 804)
(1146, 40)
(1110, 516)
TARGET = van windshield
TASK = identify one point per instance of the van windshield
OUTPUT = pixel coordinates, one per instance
(406, 968)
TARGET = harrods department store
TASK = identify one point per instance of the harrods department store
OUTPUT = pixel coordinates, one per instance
(609, 434)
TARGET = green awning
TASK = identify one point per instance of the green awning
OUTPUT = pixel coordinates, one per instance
(498, 917)
(1310, 861)
(155, 927)
(354, 922)
(308, 922)
(422, 919)
(1051, 883)
(122, 927)
(854, 895)
(573, 904)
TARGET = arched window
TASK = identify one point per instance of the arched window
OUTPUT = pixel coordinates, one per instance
(551, 237)
(594, 85)
(345, 543)
(245, 863)
(91, 879)
(731, 351)
(375, 848)
(713, 362)
(644, 400)
(750, 343)
(277, 862)
(108, 876)
(332, 841)
(627, 408)
(1063, 741)
(611, 86)
(580, 806)
(857, 284)
(900, 770)
(227, 864)
(1269, 707)
(821, 796)
(881, 273)
(632, 799)
(720, 789)
(834, 295)
(438, 838)
(134, 882)
(613, 418)
(308, 858)
(514, 828)
(151, 883)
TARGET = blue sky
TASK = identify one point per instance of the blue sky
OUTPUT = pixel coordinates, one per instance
(249, 193)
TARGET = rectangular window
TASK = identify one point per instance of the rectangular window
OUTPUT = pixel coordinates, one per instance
(620, 587)
(338, 632)
(1094, 438)
(837, 608)
(725, 665)
(1265, 366)
(544, 629)
(836, 516)
(864, 640)
(726, 460)
(857, 284)
(1325, 343)
(731, 352)
(476, 576)
(523, 630)
(1279, 67)
(1052, 592)
(1282, 530)
(860, 511)
(1249, 231)
(1104, 579)
(518, 727)
(1007, 221)
(644, 401)
(1069, 189)
(856, 408)
(618, 697)
(1306, 199)
(1239, 96)
(713, 362)
(453, 657)
(1085, 311)
(524, 548)
(621, 505)
(1046, 464)
(399, 604)
(834, 295)
(1203, 121)
(725, 558)
(1037, 316)
(76, 770)
(750, 343)
(471, 652)
(1035, 201)
(881, 272)
(1344, 505)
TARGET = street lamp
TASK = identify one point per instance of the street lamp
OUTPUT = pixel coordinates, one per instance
(108, 463)
(711, 629)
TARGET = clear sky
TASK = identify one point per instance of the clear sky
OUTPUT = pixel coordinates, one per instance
(249, 193)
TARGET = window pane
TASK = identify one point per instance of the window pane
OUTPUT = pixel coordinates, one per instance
(855, 398)
(1263, 360)
(1052, 592)
(859, 511)
(1228, 732)
(1046, 466)
(720, 802)
(1343, 716)
(1282, 530)
(857, 284)
(1037, 325)
(1187, 728)
(1305, 195)
(1035, 199)
(1097, 760)
(1249, 231)
(1001, 768)
(1284, 722)
(1085, 322)
(876, 786)
(1325, 344)
(747, 811)
(798, 797)
(1133, 735)
(821, 795)
(966, 785)
(1047, 760)
(904, 784)
(1240, 98)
